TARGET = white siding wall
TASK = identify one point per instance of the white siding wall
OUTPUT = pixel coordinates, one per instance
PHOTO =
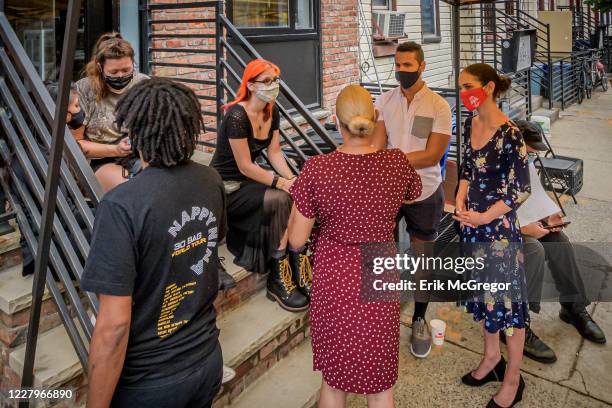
(437, 55)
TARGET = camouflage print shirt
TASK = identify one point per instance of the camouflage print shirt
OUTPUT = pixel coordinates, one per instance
(100, 115)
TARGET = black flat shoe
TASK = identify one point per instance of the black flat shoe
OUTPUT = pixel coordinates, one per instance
(496, 374)
(517, 398)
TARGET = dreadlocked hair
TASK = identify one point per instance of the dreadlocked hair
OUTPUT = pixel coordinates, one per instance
(163, 119)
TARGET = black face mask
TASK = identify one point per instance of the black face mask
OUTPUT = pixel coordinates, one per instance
(119, 83)
(77, 120)
(407, 79)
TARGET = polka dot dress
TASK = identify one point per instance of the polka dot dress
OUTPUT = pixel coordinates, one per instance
(356, 199)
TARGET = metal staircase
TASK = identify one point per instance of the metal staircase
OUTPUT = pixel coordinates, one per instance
(225, 52)
(484, 27)
(39, 156)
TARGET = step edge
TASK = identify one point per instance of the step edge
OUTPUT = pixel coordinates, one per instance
(71, 371)
(255, 345)
(269, 375)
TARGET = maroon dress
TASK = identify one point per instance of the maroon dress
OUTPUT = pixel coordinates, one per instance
(356, 199)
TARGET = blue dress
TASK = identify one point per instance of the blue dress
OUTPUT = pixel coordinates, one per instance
(497, 171)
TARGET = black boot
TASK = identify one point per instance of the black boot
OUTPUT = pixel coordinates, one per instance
(535, 348)
(301, 270)
(584, 323)
(226, 281)
(282, 289)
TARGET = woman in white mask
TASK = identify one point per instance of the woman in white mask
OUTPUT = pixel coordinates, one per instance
(258, 201)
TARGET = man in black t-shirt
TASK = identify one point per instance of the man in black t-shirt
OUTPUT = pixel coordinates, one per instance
(153, 262)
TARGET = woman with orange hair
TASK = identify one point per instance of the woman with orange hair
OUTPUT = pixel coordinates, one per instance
(258, 201)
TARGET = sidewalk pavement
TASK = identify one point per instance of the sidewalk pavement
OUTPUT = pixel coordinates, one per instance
(582, 375)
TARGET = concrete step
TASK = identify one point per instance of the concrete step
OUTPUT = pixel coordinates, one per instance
(290, 384)
(202, 157)
(536, 102)
(56, 361)
(247, 284)
(15, 290)
(10, 252)
(253, 338)
(553, 113)
(252, 326)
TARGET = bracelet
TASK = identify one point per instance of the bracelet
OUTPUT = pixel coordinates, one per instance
(274, 181)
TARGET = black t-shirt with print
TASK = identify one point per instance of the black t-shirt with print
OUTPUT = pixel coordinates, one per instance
(236, 125)
(156, 238)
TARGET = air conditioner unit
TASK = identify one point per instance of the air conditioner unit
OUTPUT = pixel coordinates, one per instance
(390, 23)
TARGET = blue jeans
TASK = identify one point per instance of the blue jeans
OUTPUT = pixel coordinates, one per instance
(196, 388)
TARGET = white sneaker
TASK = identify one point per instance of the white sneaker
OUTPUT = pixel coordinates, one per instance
(228, 374)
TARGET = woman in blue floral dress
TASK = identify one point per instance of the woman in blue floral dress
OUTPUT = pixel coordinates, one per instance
(494, 180)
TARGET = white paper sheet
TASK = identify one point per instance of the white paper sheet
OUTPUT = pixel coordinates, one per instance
(539, 204)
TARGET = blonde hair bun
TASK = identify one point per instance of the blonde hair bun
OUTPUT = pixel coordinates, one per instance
(355, 109)
(360, 126)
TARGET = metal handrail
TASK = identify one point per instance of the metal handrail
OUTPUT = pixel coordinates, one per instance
(46, 105)
(46, 221)
(285, 90)
(228, 40)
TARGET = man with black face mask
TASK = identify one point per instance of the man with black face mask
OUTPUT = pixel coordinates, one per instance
(418, 121)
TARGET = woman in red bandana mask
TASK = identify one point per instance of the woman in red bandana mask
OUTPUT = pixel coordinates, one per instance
(494, 180)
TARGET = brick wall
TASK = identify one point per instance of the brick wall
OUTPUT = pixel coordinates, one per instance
(187, 73)
(339, 47)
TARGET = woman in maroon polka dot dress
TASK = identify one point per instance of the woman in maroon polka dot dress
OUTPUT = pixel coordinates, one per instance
(355, 193)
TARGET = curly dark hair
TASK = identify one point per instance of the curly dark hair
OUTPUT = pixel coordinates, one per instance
(163, 118)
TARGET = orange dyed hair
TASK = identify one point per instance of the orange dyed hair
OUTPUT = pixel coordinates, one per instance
(252, 71)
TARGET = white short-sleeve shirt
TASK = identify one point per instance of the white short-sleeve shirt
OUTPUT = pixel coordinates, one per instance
(409, 127)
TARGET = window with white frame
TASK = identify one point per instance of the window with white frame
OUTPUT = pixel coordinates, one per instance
(430, 19)
(381, 4)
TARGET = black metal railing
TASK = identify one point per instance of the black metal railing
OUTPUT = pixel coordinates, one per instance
(228, 56)
(484, 27)
(584, 24)
(555, 76)
(50, 186)
(48, 182)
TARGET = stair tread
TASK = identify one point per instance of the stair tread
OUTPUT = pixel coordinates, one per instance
(10, 241)
(274, 384)
(552, 114)
(252, 325)
(15, 290)
(202, 157)
(236, 271)
(56, 361)
(243, 332)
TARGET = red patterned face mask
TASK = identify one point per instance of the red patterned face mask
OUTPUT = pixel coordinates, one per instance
(473, 98)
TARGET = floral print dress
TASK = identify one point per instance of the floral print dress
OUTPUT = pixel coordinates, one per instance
(497, 171)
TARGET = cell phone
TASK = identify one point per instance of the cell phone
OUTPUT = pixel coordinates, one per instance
(563, 224)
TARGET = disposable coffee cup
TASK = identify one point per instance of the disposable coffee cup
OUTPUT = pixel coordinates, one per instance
(438, 328)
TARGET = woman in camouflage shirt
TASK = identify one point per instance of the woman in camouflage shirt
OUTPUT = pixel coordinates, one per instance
(110, 73)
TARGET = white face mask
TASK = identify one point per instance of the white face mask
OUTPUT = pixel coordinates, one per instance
(267, 93)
